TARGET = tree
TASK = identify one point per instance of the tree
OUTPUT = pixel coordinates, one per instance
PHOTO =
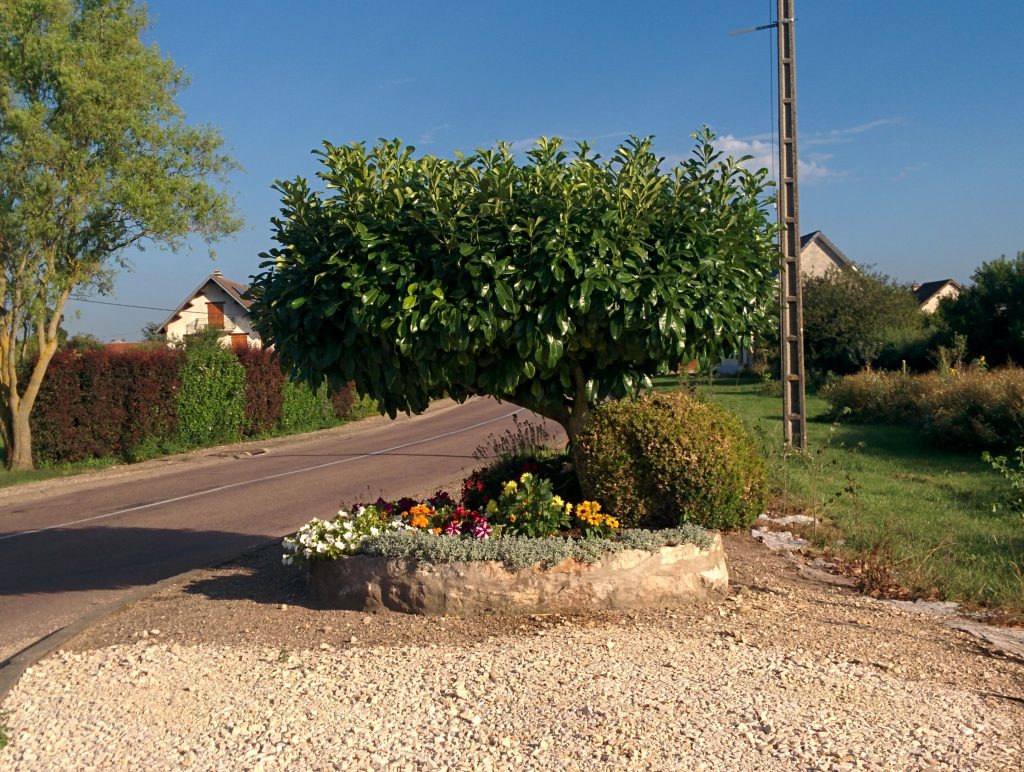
(554, 284)
(95, 156)
(851, 318)
(151, 333)
(988, 311)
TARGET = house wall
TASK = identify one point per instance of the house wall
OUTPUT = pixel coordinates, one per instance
(931, 305)
(194, 316)
(815, 261)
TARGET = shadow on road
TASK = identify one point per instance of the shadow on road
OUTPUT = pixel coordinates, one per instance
(50, 562)
(256, 576)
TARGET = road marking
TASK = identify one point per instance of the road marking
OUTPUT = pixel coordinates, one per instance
(260, 479)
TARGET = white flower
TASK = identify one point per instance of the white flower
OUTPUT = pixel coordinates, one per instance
(287, 559)
(374, 531)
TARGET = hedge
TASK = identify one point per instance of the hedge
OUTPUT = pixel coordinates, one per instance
(969, 409)
(127, 404)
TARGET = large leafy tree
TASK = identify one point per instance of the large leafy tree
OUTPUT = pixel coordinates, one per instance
(553, 283)
(95, 156)
(988, 311)
(853, 317)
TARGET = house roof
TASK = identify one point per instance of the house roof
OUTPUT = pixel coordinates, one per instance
(234, 290)
(930, 289)
(823, 241)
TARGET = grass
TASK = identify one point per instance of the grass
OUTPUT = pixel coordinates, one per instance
(891, 501)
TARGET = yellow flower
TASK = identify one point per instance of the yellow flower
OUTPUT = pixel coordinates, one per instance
(558, 502)
(510, 488)
(526, 477)
(511, 518)
(492, 507)
(568, 508)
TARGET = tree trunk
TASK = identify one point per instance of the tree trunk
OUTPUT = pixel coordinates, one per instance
(19, 449)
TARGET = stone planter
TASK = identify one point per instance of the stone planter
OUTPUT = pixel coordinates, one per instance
(629, 579)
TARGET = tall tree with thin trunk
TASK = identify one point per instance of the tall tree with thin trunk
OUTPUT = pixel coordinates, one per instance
(95, 157)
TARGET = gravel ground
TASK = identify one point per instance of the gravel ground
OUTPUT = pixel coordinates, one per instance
(233, 668)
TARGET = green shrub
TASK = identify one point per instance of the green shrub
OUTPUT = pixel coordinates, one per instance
(972, 408)
(875, 396)
(211, 402)
(669, 459)
(524, 447)
(304, 409)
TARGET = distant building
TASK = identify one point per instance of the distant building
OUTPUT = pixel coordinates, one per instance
(931, 293)
(817, 255)
(220, 304)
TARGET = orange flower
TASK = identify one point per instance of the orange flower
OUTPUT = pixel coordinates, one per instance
(419, 521)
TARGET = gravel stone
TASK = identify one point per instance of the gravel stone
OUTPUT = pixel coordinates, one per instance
(783, 674)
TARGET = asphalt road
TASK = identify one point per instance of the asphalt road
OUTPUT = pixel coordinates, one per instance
(82, 542)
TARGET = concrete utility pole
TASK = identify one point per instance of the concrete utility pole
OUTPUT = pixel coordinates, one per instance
(791, 307)
(791, 311)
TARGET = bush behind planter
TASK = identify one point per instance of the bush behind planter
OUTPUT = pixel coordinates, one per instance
(966, 409)
(669, 459)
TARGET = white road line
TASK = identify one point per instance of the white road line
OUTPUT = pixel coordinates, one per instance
(260, 479)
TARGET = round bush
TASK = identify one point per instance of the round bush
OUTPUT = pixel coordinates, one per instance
(669, 459)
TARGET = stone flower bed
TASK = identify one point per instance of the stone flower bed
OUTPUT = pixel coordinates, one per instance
(527, 552)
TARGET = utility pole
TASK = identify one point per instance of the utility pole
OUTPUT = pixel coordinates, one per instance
(791, 307)
(791, 311)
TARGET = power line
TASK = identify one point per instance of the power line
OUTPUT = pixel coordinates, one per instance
(130, 305)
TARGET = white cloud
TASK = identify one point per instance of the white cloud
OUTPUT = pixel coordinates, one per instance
(428, 136)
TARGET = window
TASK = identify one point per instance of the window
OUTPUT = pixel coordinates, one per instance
(215, 315)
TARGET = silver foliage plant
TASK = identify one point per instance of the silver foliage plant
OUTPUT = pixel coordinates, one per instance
(519, 552)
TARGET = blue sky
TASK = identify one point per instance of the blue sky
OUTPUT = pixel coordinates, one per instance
(910, 113)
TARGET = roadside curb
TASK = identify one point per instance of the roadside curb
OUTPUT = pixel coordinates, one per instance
(14, 667)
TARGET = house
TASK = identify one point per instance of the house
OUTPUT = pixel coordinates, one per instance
(931, 293)
(220, 304)
(817, 256)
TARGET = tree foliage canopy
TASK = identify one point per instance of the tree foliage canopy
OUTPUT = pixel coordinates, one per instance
(852, 317)
(989, 311)
(95, 156)
(553, 283)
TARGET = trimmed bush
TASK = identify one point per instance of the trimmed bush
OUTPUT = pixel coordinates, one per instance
(264, 385)
(971, 409)
(303, 408)
(668, 459)
(106, 404)
(211, 403)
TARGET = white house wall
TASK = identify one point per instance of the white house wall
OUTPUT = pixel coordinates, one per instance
(815, 261)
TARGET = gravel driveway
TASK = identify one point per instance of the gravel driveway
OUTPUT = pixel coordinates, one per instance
(232, 669)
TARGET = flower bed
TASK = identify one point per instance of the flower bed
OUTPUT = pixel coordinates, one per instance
(526, 552)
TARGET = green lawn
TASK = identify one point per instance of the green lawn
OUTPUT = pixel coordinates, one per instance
(924, 512)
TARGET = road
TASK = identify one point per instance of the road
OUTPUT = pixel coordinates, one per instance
(83, 543)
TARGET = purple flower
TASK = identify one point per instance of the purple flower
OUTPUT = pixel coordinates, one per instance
(441, 499)
(481, 529)
(453, 528)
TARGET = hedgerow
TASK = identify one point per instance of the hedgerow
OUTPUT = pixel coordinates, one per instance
(969, 408)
